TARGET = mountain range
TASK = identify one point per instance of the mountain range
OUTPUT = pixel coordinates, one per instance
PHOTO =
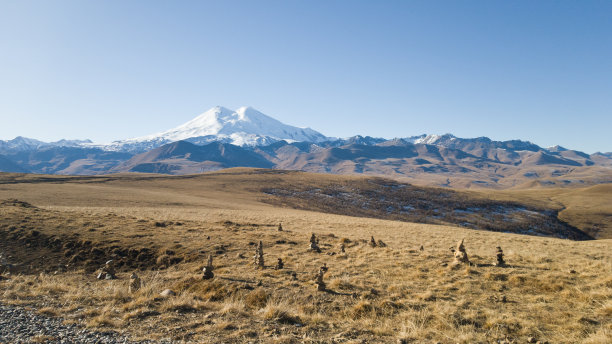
(221, 138)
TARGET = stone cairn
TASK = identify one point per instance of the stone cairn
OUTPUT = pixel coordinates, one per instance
(4, 264)
(279, 264)
(319, 278)
(208, 269)
(259, 256)
(280, 227)
(107, 271)
(461, 256)
(372, 241)
(314, 244)
(135, 283)
(500, 257)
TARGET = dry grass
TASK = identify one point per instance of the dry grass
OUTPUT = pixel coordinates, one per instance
(587, 208)
(554, 290)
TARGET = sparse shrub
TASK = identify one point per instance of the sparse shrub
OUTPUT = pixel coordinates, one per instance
(163, 260)
(341, 284)
(496, 277)
(257, 298)
(279, 314)
(361, 309)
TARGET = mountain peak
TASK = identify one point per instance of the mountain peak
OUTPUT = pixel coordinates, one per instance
(245, 126)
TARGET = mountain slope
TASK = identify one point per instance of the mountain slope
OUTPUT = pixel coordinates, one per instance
(68, 160)
(183, 157)
(7, 165)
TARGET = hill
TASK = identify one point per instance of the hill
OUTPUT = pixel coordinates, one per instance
(62, 229)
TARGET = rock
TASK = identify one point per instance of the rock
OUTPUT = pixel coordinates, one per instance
(135, 283)
(319, 278)
(531, 340)
(372, 241)
(461, 256)
(314, 244)
(208, 269)
(279, 264)
(500, 257)
(259, 256)
(280, 227)
(167, 293)
(18, 325)
(107, 271)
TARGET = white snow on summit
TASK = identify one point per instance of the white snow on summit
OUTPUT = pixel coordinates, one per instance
(432, 139)
(243, 127)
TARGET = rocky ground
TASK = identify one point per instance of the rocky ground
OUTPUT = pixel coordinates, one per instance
(20, 325)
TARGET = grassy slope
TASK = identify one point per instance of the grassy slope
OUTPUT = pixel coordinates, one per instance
(588, 208)
(377, 294)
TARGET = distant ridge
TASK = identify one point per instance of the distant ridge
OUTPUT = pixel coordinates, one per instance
(183, 157)
(221, 138)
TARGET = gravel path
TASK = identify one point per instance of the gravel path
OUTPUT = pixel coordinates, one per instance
(18, 325)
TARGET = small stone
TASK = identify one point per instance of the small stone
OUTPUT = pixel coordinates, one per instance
(531, 340)
(167, 293)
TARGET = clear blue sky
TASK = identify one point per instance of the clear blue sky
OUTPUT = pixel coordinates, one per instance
(106, 70)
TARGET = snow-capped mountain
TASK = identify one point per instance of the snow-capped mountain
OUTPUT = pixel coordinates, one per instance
(21, 143)
(243, 127)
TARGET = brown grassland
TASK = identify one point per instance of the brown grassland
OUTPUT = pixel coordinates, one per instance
(163, 228)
